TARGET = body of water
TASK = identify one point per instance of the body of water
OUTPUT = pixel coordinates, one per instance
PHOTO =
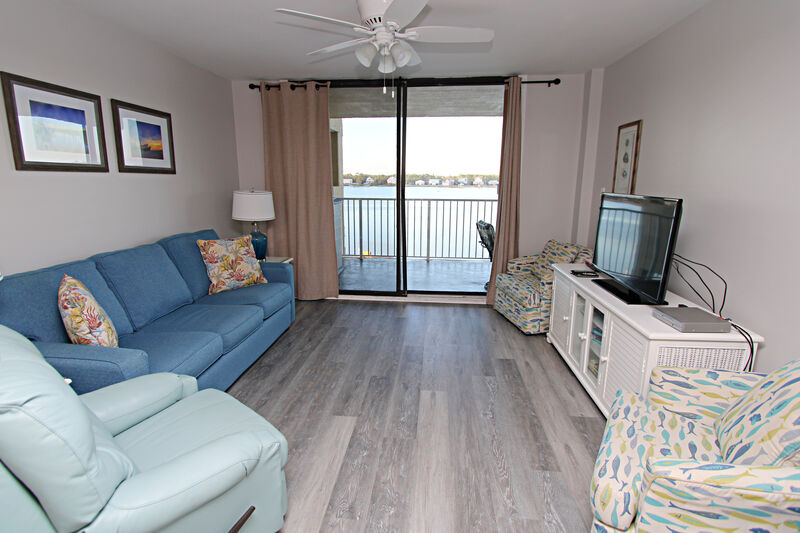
(438, 193)
(440, 221)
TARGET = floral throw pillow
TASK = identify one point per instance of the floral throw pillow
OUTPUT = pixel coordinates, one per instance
(231, 263)
(84, 319)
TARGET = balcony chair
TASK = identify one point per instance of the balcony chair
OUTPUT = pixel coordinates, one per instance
(707, 450)
(524, 292)
(486, 234)
(148, 454)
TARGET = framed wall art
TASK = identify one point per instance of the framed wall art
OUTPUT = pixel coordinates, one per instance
(144, 139)
(53, 127)
(627, 159)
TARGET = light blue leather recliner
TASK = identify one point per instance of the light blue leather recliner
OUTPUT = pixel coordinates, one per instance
(148, 454)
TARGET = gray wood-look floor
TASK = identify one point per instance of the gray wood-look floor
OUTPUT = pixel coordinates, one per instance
(423, 417)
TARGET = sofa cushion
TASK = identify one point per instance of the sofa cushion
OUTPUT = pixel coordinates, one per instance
(146, 282)
(182, 249)
(84, 319)
(762, 426)
(269, 296)
(29, 301)
(178, 429)
(231, 322)
(181, 352)
(51, 442)
(635, 432)
(524, 288)
(230, 263)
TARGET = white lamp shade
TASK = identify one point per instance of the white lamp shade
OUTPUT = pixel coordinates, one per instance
(366, 53)
(253, 206)
(386, 65)
(400, 54)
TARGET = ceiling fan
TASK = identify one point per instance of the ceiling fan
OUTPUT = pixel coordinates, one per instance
(384, 33)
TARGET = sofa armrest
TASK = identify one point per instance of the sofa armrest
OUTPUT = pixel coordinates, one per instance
(521, 265)
(92, 367)
(280, 273)
(156, 498)
(123, 405)
(717, 495)
(698, 392)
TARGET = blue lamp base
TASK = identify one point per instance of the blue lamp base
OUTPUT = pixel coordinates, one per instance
(259, 243)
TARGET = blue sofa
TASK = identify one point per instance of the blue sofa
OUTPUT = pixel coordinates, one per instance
(157, 297)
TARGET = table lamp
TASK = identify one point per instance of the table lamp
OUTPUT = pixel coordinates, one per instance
(254, 206)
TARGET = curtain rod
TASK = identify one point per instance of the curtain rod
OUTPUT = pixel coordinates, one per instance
(411, 82)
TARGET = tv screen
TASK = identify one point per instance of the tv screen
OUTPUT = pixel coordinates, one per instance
(635, 241)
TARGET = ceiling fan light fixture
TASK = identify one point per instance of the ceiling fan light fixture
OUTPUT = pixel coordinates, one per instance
(386, 65)
(366, 53)
(400, 54)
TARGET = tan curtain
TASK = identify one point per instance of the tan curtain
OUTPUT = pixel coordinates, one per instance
(297, 161)
(506, 244)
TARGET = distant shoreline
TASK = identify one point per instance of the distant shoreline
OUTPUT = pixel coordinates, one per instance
(426, 185)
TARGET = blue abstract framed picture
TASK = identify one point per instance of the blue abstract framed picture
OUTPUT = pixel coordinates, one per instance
(144, 139)
(53, 127)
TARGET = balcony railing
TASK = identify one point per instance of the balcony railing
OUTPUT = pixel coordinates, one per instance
(435, 228)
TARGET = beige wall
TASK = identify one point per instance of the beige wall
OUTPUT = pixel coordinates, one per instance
(249, 135)
(49, 217)
(718, 94)
(551, 156)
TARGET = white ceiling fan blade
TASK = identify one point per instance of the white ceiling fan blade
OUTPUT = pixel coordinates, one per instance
(449, 34)
(415, 59)
(402, 12)
(340, 46)
(320, 18)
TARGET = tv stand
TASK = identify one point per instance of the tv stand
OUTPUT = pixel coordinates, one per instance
(622, 292)
(610, 344)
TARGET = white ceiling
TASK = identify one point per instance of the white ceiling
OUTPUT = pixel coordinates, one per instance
(247, 39)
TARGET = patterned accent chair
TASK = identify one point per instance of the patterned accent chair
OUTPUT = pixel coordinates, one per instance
(707, 450)
(524, 293)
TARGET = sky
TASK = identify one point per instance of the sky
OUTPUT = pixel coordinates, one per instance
(444, 146)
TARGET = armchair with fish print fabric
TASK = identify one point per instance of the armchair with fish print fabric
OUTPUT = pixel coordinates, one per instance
(524, 292)
(706, 450)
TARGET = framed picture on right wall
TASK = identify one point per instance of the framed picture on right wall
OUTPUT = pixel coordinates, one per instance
(627, 158)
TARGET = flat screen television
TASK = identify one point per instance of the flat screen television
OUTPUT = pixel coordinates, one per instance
(635, 241)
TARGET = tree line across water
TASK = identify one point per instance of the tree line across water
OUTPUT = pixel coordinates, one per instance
(412, 179)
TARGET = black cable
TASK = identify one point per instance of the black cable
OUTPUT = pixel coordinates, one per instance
(749, 338)
(711, 305)
(680, 260)
(724, 283)
(696, 273)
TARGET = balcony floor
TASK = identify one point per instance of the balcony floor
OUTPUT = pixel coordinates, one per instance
(436, 275)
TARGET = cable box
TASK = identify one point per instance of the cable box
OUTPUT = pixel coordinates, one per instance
(691, 320)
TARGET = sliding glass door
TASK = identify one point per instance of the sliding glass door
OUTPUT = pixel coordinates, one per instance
(452, 161)
(415, 170)
(366, 189)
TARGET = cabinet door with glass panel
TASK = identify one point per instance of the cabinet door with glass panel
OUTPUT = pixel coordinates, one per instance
(586, 346)
(577, 341)
(595, 333)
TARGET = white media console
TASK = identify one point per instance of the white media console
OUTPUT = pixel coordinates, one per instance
(611, 345)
